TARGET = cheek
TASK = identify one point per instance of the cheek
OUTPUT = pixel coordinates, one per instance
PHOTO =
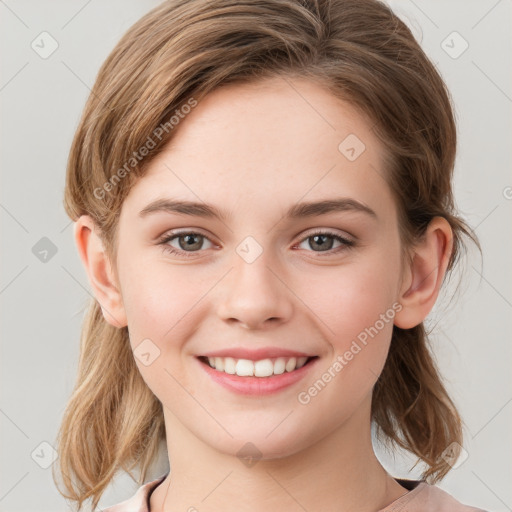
(157, 298)
(352, 299)
(161, 303)
(356, 306)
(359, 314)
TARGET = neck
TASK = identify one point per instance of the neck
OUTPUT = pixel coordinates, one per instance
(340, 472)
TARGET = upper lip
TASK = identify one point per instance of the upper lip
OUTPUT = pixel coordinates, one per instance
(256, 354)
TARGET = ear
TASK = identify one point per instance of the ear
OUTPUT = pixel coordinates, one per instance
(424, 275)
(99, 271)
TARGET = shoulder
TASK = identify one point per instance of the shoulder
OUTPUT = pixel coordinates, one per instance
(427, 498)
(139, 502)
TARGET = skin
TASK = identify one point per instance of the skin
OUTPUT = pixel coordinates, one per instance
(255, 150)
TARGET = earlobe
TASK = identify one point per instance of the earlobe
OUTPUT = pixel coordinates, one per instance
(99, 271)
(425, 275)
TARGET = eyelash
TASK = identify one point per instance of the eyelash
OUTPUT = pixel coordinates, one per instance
(347, 244)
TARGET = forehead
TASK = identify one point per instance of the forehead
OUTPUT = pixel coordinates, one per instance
(274, 142)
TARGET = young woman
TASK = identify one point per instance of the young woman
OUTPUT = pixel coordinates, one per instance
(263, 204)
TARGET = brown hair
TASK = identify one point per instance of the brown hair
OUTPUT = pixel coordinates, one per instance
(176, 54)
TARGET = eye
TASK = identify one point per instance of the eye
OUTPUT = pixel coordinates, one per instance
(324, 240)
(188, 241)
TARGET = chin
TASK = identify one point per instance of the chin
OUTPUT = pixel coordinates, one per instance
(261, 443)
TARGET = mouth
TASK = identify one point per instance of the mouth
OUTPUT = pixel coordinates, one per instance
(263, 368)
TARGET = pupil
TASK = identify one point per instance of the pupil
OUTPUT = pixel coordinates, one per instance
(322, 245)
(189, 241)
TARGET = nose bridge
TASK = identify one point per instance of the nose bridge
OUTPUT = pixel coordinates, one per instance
(253, 293)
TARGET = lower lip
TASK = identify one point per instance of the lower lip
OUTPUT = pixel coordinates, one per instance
(257, 385)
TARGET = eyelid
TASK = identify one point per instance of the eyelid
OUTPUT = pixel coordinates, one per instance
(328, 231)
(172, 234)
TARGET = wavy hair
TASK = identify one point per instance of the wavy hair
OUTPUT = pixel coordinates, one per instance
(361, 52)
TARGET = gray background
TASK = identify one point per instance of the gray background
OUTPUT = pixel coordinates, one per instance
(42, 301)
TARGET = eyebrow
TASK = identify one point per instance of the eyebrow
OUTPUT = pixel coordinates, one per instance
(299, 210)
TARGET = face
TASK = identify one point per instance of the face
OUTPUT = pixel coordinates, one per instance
(256, 278)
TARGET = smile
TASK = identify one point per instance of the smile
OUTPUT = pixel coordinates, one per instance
(256, 377)
(262, 368)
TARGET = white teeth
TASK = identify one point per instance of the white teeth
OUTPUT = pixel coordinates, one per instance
(301, 361)
(244, 368)
(261, 368)
(264, 368)
(291, 364)
(229, 365)
(279, 365)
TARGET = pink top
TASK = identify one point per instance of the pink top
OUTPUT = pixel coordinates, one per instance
(421, 497)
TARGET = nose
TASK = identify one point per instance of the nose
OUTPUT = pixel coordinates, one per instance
(255, 295)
